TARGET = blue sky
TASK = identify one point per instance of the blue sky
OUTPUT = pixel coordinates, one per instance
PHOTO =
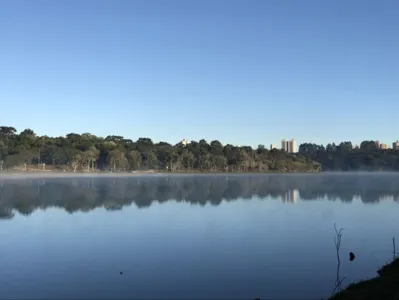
(242, 72)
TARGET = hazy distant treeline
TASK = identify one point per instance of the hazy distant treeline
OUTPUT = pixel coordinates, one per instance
(345, 157)
(86, 194)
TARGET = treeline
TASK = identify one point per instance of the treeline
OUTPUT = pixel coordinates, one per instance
(87, 152)
(85, 194)
(344, 157)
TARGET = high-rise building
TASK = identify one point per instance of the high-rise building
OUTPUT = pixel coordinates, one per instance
(292, 146)
(288, 146)
(395, 145)
(284, 145)
(272, 146)
(383, 146)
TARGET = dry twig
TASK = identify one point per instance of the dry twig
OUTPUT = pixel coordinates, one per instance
(337, 242)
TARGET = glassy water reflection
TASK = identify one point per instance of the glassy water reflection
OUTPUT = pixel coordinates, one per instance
(194, 236)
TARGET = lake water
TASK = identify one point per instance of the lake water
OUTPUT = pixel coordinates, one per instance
(194, 236)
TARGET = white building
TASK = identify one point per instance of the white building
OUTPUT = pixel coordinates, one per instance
(288, 146)
(184, 142)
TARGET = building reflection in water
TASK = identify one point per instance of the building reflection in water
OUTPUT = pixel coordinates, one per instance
(291, 196)
(388, 198)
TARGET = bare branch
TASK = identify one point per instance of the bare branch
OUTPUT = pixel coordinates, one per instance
(338, 285)
(337, 242)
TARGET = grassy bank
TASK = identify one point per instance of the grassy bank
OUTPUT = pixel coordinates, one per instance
(383, 287)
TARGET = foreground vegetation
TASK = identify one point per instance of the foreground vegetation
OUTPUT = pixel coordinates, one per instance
(87, 152)
(383, 287)
(344, 157)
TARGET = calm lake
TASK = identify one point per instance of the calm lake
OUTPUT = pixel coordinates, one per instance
(193, 236)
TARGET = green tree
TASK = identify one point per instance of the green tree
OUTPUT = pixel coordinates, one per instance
(88, 152)
(134, 159)
(116, 158)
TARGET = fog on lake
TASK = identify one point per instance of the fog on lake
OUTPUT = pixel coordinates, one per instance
(192, 236)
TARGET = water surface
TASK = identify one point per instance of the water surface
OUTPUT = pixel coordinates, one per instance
(193, 236)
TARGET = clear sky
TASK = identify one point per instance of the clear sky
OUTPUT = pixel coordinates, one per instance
(242, 72)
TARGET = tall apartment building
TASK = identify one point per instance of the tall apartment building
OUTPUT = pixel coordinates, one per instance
(288, 146)
(284, 145)
(395, 145)
(293, 146)
(272, 146)
(383, 146)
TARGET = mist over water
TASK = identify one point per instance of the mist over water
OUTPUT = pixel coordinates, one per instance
(192, 236)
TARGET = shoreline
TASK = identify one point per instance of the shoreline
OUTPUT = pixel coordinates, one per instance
(58, 174)
(53, 171)
(385, 286)
(103, 174)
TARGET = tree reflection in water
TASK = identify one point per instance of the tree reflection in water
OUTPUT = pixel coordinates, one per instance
(85, 194)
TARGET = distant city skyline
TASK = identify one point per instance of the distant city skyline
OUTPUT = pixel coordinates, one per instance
(242, 72)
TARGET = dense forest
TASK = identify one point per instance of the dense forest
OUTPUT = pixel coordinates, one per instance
(344, 157)
(90, 153)
(87, 193)
(87, 152)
